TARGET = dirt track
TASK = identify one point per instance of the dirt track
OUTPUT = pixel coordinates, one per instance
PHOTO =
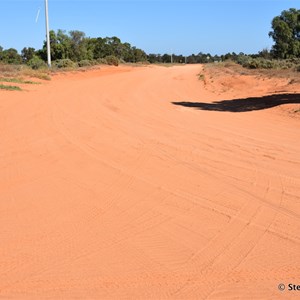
(129, 183)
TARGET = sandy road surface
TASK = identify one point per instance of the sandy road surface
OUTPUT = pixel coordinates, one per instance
(111, 191)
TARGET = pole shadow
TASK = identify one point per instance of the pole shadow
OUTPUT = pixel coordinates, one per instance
(246, 104)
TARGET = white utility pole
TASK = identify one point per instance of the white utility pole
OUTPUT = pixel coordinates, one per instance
(47, 34)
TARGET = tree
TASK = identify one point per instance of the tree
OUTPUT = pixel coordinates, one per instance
(72, 46)
(115, 46)
(166, 58)
(10, 56)
(286, 34)
(97, 45)
(55, 51)
(79, 43)
(27, 54)
(265, 53)
(139, 55)
(63, 44)
(127, 53)
(154, 58)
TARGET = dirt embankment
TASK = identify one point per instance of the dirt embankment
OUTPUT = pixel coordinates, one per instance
(232, 81)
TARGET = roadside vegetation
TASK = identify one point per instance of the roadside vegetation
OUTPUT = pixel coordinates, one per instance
(73, 49)
(17, 80)
(9, 87)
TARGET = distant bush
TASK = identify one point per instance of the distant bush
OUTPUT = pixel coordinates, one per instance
(263, 63)
(5, 68)
(10, 87)
(144, 62)
(101, 61)
(10, 56)
(85, 63)
(64, 63)
(36, 63)
(295, 61)
(229, 63)
(112, 60)
(255, 63)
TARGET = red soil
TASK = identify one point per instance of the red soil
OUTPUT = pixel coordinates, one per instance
(108, 190)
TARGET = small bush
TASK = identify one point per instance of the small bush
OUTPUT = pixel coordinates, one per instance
(112, 60)
(17, 80)
(229, 63)
(257, 63)
(85, 63)
(10, 87)
(36, 63)
(143, 62)
(201, 77)
(263, 63)
(9, 69)
(65, 63)
(101, 61)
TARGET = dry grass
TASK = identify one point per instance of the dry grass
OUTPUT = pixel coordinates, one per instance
(10, 87)
(20, 71)
(17, 80)
(231, 67)
(285, 80)
(39, 74)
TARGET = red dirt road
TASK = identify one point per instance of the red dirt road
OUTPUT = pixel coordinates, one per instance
(108, 190)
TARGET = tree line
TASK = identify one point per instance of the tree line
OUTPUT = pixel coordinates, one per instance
(74, 46)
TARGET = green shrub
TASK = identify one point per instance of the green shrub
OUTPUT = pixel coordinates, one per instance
(112, 60)
(101, 61)
(257, 63)
(6, 69)
(10, 87)
(143, 62)
(263, 63)
(17, 80)
(65, 63)
(85, 63)
(36, 63)
(201, 77)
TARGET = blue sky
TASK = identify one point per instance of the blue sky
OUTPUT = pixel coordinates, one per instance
(183, 27)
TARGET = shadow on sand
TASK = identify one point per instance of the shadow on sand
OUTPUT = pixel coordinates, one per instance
(243, 105)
